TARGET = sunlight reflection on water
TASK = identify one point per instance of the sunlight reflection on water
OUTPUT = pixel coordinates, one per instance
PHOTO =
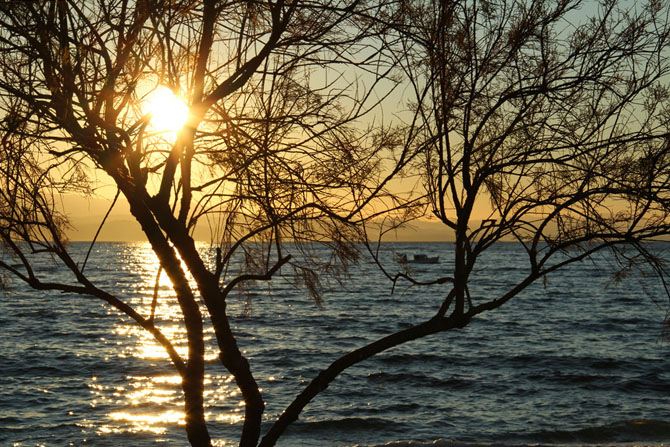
(153, 402)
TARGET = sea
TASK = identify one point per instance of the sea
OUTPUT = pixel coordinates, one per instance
(576, 360)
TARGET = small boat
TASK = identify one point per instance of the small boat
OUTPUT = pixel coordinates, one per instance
(418, 259)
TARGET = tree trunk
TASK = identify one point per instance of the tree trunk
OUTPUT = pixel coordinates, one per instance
(193, 378)
(194, 411)
(229, 352)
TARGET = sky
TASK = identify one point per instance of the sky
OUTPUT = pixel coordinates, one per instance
(86, 214)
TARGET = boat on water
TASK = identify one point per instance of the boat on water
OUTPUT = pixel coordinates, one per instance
(418, 259)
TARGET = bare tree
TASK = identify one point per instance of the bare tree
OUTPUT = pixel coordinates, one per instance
(553, 116)
(270, 152)
(553, 113)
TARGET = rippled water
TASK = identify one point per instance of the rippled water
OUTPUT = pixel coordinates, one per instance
(574, 361)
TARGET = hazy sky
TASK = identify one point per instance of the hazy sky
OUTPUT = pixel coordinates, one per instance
(86, 214)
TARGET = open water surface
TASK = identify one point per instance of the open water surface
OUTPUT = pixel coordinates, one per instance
(574, 361)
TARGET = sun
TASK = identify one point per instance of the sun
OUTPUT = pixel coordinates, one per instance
(168, 112)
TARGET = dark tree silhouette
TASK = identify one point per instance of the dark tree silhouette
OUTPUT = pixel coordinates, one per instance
(271, 151)
(554, 116)
(553, 113)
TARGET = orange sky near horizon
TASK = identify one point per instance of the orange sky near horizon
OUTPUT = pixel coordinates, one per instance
(85, 215)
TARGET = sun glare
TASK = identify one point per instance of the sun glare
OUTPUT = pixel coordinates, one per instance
(168, 112)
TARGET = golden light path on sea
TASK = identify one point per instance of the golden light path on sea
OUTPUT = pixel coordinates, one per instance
(151, 401)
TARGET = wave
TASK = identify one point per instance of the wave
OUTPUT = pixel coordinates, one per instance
(628, 433)
(616, 433)
(453, 382)
(349, 424)
(449, 443)
(649, 383)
